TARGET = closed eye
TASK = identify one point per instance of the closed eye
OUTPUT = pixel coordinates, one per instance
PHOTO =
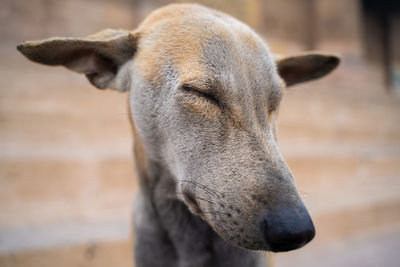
(188, 89)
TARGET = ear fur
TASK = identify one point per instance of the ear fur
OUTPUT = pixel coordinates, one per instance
(305, 67)
(98, 56)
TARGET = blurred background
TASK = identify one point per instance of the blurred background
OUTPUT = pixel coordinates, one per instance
(66, 170)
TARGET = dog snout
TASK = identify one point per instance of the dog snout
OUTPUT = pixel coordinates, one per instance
(287, 229)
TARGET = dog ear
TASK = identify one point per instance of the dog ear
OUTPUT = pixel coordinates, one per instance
(305, 67)
(98, 56)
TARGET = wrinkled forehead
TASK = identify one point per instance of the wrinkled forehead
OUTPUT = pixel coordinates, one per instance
(207, 51)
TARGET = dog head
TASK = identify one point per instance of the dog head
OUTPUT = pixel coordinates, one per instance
(205, 91)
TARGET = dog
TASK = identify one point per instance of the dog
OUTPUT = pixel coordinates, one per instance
(204, 95)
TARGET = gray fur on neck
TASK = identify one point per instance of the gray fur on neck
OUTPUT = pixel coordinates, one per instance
(168, 234)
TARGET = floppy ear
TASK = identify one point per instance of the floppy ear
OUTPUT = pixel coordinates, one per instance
(305, 67)
(98, 56)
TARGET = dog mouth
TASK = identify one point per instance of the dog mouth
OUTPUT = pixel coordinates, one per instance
(255, 227)
(277, 232)
(226, 222)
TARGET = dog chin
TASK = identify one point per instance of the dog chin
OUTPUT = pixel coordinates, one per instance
(244, 242)
(249, 244)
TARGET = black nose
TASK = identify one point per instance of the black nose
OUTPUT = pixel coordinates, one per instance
(286, 229)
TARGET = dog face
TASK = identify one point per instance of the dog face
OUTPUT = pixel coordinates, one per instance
(205, 91)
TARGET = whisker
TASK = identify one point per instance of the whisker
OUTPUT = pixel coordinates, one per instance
(205, 188)
(200, 198)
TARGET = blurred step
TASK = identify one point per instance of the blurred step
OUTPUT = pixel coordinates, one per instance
(50, 96)
(348, 195)
(89, 254)
(52, 135)
(325, 120)
(33, 237)
(41, 191)
(374, 249)
(342, 223)
(334, 182)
